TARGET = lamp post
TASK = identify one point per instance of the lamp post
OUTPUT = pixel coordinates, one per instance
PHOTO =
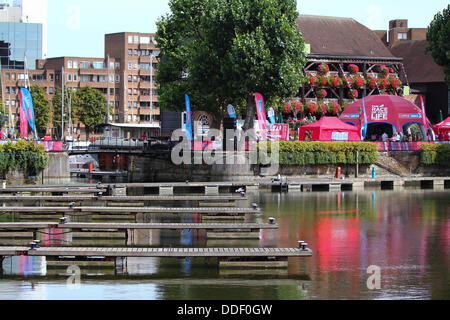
(151, 87)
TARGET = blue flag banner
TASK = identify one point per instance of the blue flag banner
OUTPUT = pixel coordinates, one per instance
(364, 128)
(231, 111)
(28, 109)
(271, 114)
(188, 119)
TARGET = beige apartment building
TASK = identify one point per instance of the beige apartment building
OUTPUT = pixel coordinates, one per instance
(126, 76)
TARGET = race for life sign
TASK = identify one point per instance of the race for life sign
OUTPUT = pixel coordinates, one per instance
(379, 113)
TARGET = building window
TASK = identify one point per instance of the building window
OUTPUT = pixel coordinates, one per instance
(402, 36)
(50, 76)
(117, 65)
(75, 64)
(145, 40)
(136, 39)
(85, 64)
(13, 90)
(136, 52)
(130, 39)
(69, 64)
(69, 77)
(129, 78)
(135, 78)
(135, 66)
(129, 91)
(111, 91)
(117, 78)
(98, 65)
(130, 52)
(50, 90)
(135, 105)
(111, 79)
(7, 90)
(8, 76)
(130, 65)
(75, 77)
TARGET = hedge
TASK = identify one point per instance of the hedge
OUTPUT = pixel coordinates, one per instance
(324, 153)
(22, 155)
(435, 154)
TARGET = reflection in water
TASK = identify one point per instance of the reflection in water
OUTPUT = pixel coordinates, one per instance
(406, 234)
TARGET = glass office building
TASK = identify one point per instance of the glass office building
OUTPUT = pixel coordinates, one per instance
(18, 39)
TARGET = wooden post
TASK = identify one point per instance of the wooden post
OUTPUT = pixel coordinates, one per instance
(357, 164)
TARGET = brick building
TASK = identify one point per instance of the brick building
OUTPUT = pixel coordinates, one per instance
(126, 76)
(423, 75)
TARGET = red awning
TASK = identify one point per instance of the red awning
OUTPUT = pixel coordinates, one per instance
(443, 126)
(329, 129)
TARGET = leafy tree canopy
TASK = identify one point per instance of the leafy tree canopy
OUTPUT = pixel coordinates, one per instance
(222, 52)
(90, 107)
(42, 109)
(438, 37)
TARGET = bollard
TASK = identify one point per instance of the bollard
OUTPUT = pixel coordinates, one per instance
(63, 220)
(271, 220)
(338, 172)
(304, 245)
(300, 244)
(91, 167)
(255, 206)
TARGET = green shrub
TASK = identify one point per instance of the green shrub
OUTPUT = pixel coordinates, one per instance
(324, 153)
(25, 156)
(435, 154)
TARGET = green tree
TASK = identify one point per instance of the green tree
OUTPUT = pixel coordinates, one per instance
(42, 111)
(222, 52)
(438, 37)
(91, 108)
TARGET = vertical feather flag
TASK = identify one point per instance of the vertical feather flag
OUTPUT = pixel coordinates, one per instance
(261, 116)
(424, 116)
(364, 127)
(26, 113)
(189, 135)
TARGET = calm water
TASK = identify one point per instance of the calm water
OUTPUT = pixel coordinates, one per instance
(405, 233)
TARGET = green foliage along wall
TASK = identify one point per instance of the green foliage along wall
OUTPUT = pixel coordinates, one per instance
(23, 156)
(325, 153)
(435, 154)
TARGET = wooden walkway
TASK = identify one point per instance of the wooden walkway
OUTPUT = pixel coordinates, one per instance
(135, 226)
(130, 210)
(156, 252)
(72, 198)
(52, 190)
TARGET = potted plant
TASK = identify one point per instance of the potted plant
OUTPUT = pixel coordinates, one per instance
(323, 69)
(353, 69)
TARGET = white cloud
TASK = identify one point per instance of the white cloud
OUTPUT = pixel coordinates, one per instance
(374, 18)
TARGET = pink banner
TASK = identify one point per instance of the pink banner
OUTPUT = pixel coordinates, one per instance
(279, 132)
(23, 120)
(262, 120)
(424, 116)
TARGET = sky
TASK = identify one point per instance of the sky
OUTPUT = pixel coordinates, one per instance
(77, 27)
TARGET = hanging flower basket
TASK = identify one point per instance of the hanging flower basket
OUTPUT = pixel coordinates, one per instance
(321, 93)
(322, 80)
(334, 81)
(311, 107)
(384, 71)
(298, 106)
(394, 82)
(358, 82)
(333, 108)
(383, 83)
(312, 79)
(322, 108)
(323, 69)
(353, 69)
(371, 82)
